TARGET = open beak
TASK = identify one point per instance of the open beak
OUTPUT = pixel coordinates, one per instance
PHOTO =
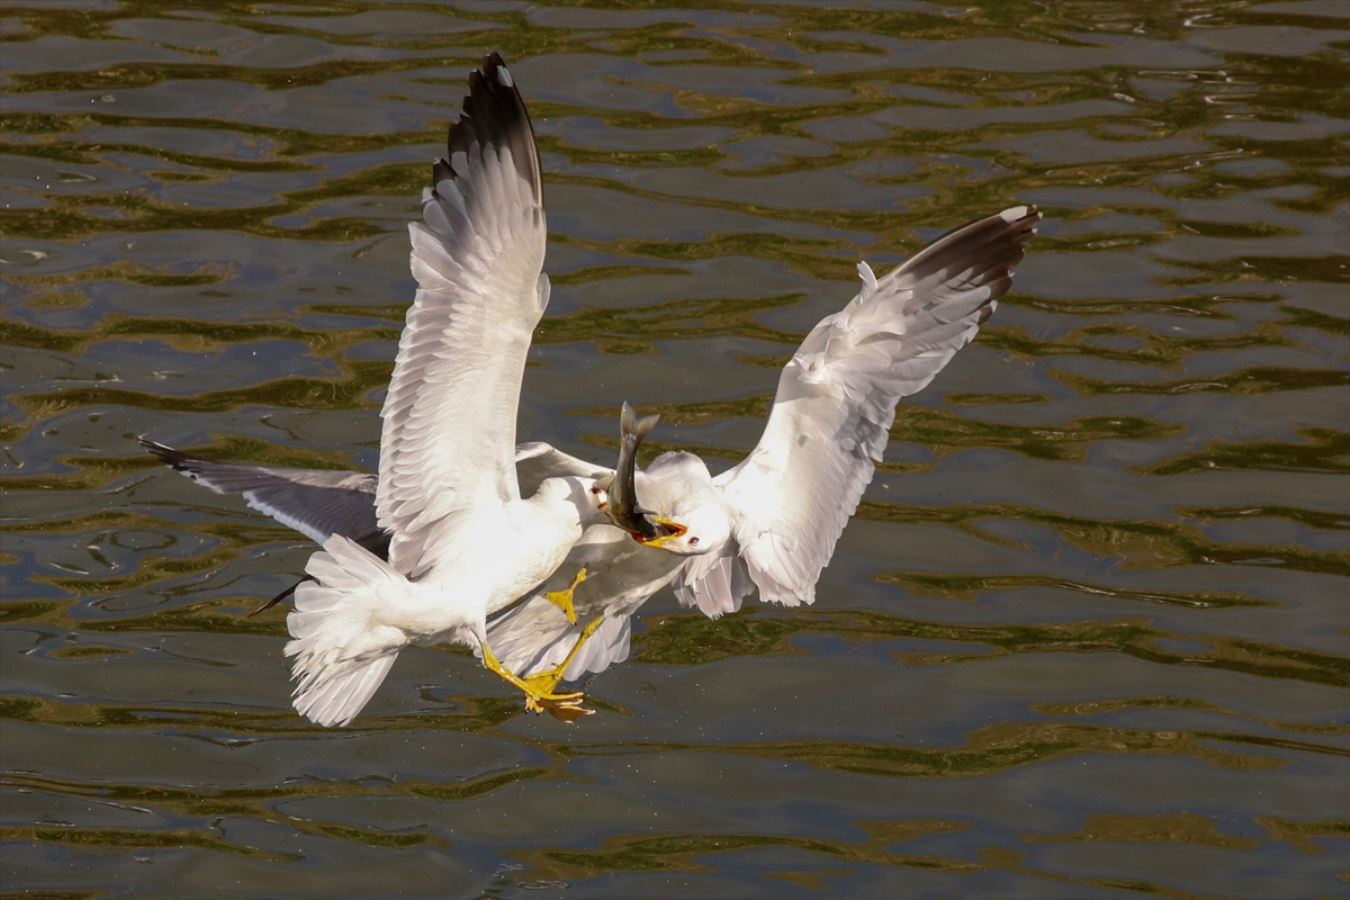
(667, 530)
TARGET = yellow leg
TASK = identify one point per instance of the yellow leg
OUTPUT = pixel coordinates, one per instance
(538, 697)
(563, 599)
(546, 681)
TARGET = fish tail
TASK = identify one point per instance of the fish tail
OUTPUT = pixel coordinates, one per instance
(631, 425)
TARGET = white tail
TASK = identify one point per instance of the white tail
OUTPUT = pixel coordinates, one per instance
(342, 649)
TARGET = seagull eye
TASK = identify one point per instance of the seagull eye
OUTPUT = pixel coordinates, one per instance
(693, 542)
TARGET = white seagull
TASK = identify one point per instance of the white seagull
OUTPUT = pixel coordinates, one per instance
(768, 524)
(462, 542)
(771, 522)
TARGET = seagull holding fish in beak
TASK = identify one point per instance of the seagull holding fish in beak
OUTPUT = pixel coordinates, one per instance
(770, 523)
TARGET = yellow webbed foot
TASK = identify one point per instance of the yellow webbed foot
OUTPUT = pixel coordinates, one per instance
(539, 689)
(563, 599)
(563, 710)
(565, 707)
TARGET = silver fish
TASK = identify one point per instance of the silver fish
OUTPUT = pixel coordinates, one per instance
(622, 507)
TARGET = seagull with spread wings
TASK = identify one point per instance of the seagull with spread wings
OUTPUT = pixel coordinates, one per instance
(770, 524)
(456, 539)
(448, 477)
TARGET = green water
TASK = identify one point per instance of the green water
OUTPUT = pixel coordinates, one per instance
(1089, 633)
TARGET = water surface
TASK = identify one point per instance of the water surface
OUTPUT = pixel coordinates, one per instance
(1088, 634)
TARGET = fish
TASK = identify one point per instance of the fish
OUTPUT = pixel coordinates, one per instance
(622, 504)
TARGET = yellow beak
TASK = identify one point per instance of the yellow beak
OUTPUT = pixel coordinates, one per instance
(676, 530)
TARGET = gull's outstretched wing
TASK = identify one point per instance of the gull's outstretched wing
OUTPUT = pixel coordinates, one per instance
(319, 503)
(536, 461)
(313, 502)
(450, 415)
(831, 418)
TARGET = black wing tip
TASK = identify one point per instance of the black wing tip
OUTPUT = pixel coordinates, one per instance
(278, 598)
(1021, 222)
(1018, 222)
(166, 454)
(1026, 218)
(494, 99)
(492, 62)
(493, 114)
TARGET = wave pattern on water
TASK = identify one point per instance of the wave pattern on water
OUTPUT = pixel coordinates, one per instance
(1086, 634)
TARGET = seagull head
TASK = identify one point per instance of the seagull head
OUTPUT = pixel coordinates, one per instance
(680, 512)
(685, 505)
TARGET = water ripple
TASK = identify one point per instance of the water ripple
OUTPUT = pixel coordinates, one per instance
(1087, 629)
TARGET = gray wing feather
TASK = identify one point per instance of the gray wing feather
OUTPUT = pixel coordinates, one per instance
(533, 637)
(716, 582)
(315, 503)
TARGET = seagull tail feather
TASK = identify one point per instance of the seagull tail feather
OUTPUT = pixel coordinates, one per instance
(341, 647)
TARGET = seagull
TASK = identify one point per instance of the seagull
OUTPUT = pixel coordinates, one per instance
(462, 540)
(453, 538)
(768, 525)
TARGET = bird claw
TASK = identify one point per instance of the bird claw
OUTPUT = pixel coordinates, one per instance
(539, 688)
(565, 708)
(539, 696)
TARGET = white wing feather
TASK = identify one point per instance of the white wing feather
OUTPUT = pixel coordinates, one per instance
(831, 418)
(477, 257)
(537, 461)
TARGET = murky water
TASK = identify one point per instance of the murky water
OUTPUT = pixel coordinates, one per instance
(1089, 633)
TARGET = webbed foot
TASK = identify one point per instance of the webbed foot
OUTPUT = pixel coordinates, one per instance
(565, 710)
(539, 689)
(563, 599)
